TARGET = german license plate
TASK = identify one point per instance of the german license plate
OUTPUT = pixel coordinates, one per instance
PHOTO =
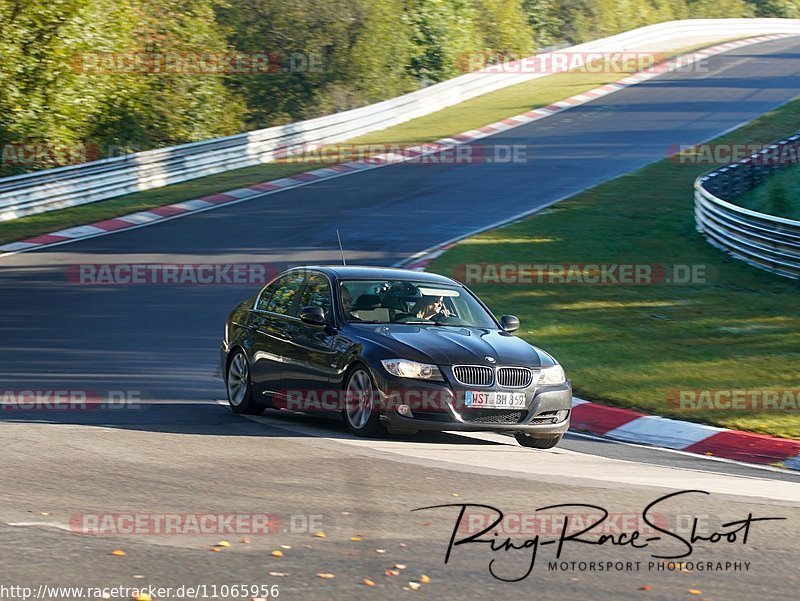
(494, 400)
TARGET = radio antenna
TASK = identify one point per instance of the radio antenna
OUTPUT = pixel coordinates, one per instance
(341, 250)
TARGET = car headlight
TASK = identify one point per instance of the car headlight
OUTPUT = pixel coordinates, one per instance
(411, 369)
(552, 376)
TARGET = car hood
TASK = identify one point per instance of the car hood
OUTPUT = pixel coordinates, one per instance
(452, 345)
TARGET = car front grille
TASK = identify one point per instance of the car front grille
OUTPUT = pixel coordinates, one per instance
(514, 377)
(482, 375)
(474, 375)
(491, 416)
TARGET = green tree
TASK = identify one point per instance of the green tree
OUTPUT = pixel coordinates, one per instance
(502, 27)
(381, 54)
(185, 104)
(787, 9)
(545, 20)
(309, 41)
(719, 9)
(444, 37)
(57, 92)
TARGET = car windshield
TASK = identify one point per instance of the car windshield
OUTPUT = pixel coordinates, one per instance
(411, 302)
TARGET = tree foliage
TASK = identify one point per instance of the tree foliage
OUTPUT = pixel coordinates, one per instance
(63, 79)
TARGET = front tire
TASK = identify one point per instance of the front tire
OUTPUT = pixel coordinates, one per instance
(240, 388)
(537, 443)
(360, 412)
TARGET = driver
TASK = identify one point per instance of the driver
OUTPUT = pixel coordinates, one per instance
(347, 304)
(430, 307)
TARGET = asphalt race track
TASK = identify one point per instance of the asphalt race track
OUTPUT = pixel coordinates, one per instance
(183, 452)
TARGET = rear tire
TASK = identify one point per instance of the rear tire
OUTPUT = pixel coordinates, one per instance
(239, 386)
(537, 443)
(360, 412)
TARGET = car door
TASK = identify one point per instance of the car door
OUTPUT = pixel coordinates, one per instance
(270, 324)
(311, 359)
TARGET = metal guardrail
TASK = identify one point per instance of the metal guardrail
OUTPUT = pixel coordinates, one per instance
(764, 241)
(99, 180)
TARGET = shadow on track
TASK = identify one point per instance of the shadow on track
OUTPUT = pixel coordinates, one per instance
(211, 419)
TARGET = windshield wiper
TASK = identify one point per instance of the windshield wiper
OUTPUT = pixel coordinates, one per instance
(425, 322)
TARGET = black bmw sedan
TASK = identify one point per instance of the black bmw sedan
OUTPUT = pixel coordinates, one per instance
(390, 348)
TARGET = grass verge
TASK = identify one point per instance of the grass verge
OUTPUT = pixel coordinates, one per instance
(471, 114)
(636, 346)
(778, 196)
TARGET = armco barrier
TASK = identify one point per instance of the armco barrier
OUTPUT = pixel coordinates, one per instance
(99, 180)
(765, 241)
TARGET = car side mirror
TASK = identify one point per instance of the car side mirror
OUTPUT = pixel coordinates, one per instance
(314, 316)
(509, 323)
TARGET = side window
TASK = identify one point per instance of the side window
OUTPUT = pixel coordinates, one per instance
(317, 293)
(263, 300)
(278, 298)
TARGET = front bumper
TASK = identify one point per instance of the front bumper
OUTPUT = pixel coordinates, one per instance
(222, 366)
(441, 406)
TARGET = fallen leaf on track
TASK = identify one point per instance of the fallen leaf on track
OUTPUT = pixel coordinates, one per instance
(400, 566)
(277, 553)
(223, 543)
(694, 591)
(118, 552)
(392, 573)
(320, 534)
(278, 574)
(368, 582)
(645, 587)
(414, 585)
(424, 579)
(326, 575)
